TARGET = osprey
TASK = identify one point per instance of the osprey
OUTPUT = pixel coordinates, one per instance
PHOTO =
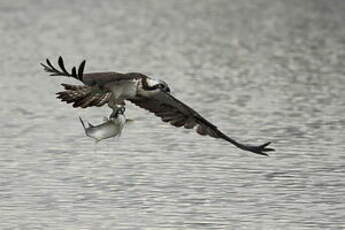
(114, 88)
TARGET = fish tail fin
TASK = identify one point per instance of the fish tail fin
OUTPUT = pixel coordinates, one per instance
(82, 122)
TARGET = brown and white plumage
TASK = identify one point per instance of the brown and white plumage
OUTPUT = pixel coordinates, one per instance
(83, 96)
(153, 95)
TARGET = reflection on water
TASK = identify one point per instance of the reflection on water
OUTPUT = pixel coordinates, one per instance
(268, 70)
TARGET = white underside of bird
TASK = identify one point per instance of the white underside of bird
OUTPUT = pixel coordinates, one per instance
(128, 89)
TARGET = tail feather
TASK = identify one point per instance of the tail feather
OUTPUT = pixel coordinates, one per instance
(82, 123)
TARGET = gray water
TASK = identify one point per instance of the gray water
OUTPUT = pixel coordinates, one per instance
(262, 70)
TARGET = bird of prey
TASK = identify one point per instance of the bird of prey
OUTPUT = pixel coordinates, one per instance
(115, 88)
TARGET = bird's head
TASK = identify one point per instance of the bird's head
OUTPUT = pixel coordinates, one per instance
(163, 86)
(150, 84)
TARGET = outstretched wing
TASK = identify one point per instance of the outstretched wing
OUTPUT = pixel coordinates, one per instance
(178, 114)
(83, 96)
(99, 79)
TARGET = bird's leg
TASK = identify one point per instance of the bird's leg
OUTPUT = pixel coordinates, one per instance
(112, 104)
(115, 107)
(114, 113)
(118, 109)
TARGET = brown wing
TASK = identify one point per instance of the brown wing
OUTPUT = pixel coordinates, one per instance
(102, 78)
(83, 96)
(90, 79)
(178, 114)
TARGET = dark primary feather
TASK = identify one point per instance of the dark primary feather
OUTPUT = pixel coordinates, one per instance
(63, 72)
(81, 70)
(178, 114)
(62, 66)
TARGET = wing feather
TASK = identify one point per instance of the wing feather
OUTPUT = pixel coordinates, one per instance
(83, 96)
(178, 114)
(102, 78)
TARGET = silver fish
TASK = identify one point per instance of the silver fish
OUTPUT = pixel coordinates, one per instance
(112, 126)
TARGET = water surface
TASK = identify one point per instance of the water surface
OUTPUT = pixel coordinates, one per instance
(260, 70)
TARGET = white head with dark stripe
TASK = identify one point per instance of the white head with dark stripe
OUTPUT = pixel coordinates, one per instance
(150, 84)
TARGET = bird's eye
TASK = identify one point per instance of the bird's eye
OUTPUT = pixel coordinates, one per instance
(164, 88)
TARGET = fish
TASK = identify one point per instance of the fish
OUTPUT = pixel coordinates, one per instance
(111, 127)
